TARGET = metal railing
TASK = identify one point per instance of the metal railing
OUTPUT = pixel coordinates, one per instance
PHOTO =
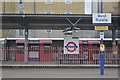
(55, 55)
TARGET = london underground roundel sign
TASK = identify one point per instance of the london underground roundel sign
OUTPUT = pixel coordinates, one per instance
(71, 46)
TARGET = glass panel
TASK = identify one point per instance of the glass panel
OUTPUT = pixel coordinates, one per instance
(117, 34)
(20, 49)
(21, 32)
(48, 1)
(108, 34)
(46, 48)
(21, 12)
(85, 46)
(68, 1)
(87, 33)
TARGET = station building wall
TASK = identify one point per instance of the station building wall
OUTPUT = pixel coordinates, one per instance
(40, 7)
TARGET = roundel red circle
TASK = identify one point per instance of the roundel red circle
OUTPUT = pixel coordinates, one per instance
(69, 49)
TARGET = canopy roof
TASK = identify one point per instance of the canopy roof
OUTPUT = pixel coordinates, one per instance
(51, 21)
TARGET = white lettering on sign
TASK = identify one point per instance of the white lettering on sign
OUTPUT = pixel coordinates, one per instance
(102, 18)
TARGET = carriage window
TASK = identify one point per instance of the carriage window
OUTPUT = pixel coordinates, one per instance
(33, 45)
(108, 44)
(33, 48)
(85, 46)
(46, 48)
(20, 49)
(96, 46)
(85, 42)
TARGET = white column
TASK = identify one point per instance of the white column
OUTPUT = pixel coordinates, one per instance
(88, 6)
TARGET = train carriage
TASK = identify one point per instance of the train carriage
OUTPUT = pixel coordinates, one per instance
(51, 50)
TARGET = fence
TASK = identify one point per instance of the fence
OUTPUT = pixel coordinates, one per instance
(55, 55)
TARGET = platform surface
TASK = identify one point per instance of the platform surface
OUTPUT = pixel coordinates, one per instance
(58, 73)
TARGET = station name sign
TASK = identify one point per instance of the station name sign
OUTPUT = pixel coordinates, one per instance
(101, 18)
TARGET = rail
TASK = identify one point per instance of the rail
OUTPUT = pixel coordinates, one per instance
(55, 55)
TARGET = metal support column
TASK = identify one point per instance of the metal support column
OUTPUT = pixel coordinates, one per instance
(114, 52)
(101, 45)
(34, 7)
(26, 46)
(113, 36)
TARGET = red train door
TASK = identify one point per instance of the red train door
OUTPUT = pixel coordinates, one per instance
(46, 50)
(20, 50)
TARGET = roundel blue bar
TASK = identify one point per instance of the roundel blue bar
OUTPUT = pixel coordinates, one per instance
(71, 46)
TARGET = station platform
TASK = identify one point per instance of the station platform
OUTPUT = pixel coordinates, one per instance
(60, 73)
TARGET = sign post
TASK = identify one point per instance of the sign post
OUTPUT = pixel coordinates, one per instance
(101, 20)
(102, 64)
(102, 49)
